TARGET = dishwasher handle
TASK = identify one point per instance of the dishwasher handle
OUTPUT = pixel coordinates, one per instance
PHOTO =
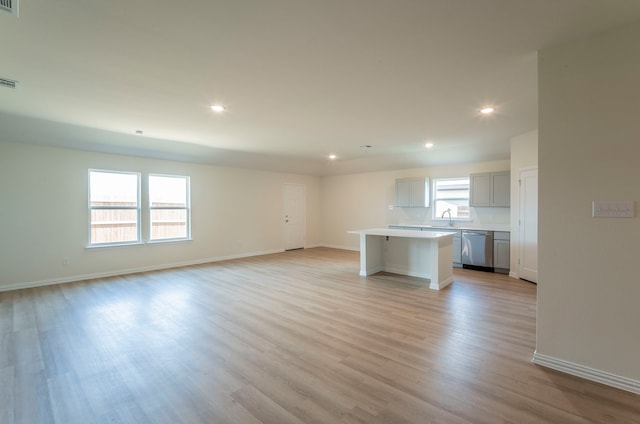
(478, 232)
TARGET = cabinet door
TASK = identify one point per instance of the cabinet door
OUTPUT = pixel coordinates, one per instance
(403, 192)
(501, 254)
(480, 189)
(412, 192)
(419, 192)
(457, 249)
(500, 189)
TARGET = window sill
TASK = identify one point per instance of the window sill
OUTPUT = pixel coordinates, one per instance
(140, 243)
(103, 245)
(164, 241)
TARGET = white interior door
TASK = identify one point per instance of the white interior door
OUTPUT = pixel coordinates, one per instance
(528, 220)
(295, 216)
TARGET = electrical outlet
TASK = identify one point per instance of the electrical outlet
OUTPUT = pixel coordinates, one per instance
(621, 209)
(65, 260)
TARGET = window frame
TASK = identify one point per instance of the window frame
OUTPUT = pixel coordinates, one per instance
(435, 199)
(186, 208)
(137, 208)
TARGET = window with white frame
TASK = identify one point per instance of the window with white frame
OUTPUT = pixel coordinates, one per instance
(169, 210)
(451, 195)
(114, 207)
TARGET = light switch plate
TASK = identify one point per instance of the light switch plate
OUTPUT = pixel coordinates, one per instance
(619, 209)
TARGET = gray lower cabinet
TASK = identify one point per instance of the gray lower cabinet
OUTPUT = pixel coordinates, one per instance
(457, 250)
(501, 251)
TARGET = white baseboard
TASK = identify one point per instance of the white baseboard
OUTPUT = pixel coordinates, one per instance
(592, 374)
(403, 271)
(439, 286)
(513, 274)
(71, 279)
(333, 246)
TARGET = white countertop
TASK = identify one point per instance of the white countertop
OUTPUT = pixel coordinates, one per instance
(392, 232)
(454, 228)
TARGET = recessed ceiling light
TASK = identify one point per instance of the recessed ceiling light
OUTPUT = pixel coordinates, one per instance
(332, 157)
(218, 108)
(487, 110)
(428, 145)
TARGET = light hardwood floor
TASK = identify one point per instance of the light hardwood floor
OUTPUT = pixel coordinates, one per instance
(296, 337)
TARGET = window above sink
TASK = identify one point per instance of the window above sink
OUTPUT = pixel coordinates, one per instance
(451, 196)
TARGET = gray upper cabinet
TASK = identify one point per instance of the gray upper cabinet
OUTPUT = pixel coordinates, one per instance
(501, 189)
(403, 192)
(480, 189)
(490, 189)
(412, 192)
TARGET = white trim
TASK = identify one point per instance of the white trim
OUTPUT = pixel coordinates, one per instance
(312, 246)
(186, 208)
(435, 198)
(513, 274)
(588, 373)
(403, 271)
(137, 208)
(439, 286)
(168, 241)
(521, 214)
(114, 244)
(71, 279)
(370, 271)
(335, 246)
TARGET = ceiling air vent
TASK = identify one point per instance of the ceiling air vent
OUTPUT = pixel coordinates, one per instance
(7, 82)
(10, 6)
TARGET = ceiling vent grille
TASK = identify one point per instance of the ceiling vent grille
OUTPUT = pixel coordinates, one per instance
(10, 6)
(7, 82)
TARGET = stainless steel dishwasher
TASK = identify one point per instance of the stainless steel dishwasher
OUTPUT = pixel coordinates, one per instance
(477, 249)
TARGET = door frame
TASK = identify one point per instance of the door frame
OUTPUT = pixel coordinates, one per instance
(521, 215)
(303, 218)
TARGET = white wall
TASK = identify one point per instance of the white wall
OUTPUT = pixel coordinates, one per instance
(589, 149)
(358, 201)
(43, 216)
(524, 154)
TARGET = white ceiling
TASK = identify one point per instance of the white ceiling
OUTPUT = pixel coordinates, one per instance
(300, 79)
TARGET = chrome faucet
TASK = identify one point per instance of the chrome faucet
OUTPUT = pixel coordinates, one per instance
(449, 212)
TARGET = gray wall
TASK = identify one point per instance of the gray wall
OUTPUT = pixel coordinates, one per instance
(235, 212)
(589, 149)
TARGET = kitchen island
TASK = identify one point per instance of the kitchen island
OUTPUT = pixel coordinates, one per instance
(422, 254)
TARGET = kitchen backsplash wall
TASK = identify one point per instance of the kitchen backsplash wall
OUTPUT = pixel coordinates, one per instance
(480, 217)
